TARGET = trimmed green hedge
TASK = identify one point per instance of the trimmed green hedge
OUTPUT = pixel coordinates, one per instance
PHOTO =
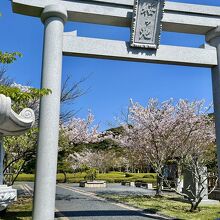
(25, 178)
(112, 177)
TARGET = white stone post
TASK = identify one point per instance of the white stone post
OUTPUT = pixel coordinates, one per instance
(53, 17)
(1, 160)
(213, 38)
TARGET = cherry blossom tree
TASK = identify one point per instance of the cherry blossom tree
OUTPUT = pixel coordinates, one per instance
(74, 133)
(101, 160)
(194, 152)
(79, 130)
(164, 131)
(86, 158)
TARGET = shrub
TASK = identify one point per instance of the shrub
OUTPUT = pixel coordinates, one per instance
(25, 178)
(112, 177)
(91, 174)
(74, 180)
(149, 175)
(128, 175)
(147, 180)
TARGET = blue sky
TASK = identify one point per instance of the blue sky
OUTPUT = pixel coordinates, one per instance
(111, 83)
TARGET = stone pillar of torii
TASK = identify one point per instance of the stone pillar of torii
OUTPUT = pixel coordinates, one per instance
(11, 124)
(213, 38)
(53, 17)
(145, 33)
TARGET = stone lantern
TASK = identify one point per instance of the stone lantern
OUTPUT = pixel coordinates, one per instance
(11, 124)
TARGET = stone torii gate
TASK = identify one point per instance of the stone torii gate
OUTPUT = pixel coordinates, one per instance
(178, 17)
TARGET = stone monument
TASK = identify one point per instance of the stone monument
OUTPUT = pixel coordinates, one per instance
(11, 124)
(191, 182)
(144, 47)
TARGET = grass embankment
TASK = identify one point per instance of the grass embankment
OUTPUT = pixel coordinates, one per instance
(111, 177)
(169, 205)
(20, 210)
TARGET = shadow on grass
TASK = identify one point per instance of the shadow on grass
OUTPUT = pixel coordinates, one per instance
(15, 215)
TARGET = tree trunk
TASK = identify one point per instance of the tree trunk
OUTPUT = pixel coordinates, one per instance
(65, 177)
(159, 185)
(195, 204)
(19, 171)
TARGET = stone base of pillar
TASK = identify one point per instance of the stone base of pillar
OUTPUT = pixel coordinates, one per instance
(7, 196)
(215, 195)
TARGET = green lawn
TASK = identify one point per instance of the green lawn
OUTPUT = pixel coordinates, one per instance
(20, 210)
(111, 177)
(170, 206)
